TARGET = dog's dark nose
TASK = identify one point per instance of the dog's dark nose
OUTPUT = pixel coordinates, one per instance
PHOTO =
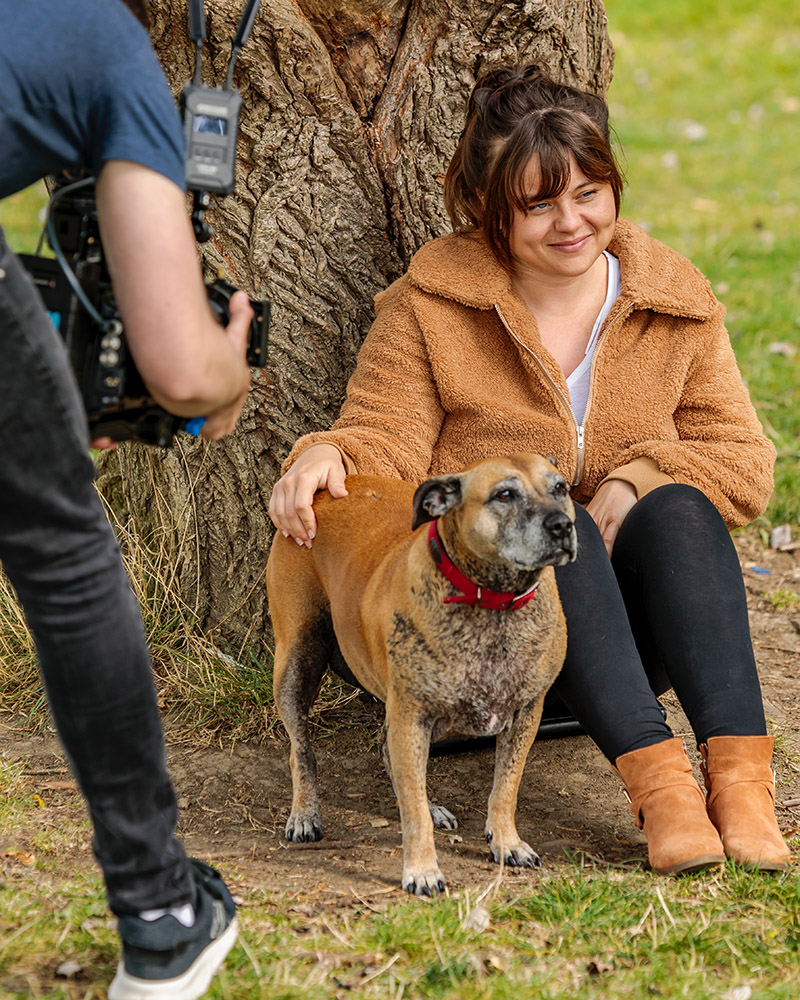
(558, 524)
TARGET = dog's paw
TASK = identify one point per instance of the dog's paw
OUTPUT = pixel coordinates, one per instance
(443, 819)
(518, 855)
(302, 828)
(428, 883)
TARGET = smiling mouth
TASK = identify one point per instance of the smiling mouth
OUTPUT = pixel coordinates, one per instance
(571, 245)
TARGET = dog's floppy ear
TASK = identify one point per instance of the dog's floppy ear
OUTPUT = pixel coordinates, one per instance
(435, 497)
(552, 460)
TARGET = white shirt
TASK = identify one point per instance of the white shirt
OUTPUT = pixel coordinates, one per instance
(578, 381)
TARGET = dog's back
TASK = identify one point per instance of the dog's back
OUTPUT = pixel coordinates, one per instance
(313, 593)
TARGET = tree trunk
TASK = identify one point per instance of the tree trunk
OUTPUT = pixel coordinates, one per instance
(351, 111)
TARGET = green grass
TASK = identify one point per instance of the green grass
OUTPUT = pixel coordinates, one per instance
(784, 598)
(575, 932)
(582, 933)
(22, 217)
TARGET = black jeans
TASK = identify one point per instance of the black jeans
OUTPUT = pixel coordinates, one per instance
(60, 553)
(668, 610)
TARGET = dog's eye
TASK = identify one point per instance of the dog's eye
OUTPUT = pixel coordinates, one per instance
(560, 487)
(504, 495)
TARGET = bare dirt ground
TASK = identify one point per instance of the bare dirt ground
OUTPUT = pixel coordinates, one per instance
(234, 800)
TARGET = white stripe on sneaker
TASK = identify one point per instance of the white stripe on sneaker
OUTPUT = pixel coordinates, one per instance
(191, 985)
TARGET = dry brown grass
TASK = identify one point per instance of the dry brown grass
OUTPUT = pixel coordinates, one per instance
(206, 691)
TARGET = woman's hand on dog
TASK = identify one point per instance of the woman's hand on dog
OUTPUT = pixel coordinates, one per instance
(290, 506)
(609, 507)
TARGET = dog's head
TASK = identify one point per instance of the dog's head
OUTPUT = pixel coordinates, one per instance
(513, 511)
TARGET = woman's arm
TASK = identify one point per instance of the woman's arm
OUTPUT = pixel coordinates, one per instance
(392, 416)
(721, 447)
(388, 425)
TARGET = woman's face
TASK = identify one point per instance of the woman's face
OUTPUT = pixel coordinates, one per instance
(562, 237)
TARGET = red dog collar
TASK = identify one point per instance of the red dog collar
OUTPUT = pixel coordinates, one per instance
(471, 593)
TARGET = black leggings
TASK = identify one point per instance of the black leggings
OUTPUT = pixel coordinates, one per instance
(667, 611)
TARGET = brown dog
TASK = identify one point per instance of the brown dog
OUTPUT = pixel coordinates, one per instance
(457, 627)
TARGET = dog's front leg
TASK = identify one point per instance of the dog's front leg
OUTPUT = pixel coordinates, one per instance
(442, 818)
(408, 742)
(511, 753)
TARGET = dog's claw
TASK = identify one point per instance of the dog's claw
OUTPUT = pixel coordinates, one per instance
(303, 829)
(428, 884)
(442, 818)
(522, 855)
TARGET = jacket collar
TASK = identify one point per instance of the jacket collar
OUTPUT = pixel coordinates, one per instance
(653, 275)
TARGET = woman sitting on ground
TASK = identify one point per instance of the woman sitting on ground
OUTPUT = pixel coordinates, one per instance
(546, 323)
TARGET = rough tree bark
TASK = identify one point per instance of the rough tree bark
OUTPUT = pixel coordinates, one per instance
(351, 111)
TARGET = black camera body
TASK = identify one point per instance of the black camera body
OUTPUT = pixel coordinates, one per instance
(117, 402)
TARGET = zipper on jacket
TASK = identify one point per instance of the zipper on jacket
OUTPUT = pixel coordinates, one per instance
(579, 469)
(579, 428)
(556, 389)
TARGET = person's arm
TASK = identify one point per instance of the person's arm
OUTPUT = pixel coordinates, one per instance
(320, 467)
(191, 365)
(720, 446)
(388, 425)
(392, 415)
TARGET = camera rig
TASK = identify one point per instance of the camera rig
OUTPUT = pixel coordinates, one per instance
(76, 287)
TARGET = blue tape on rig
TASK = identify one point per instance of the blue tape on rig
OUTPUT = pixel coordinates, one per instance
(194, 425)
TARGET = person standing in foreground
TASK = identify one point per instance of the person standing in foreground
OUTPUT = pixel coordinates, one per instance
(100, 102)
(547, 323)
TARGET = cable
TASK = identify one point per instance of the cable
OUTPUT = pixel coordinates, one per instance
(64, 264)
(197, 32)
(242, 34)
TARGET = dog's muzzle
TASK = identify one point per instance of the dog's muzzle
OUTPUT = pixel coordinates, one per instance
(562, 531)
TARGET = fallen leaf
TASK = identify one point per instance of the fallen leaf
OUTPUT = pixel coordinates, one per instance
(24, 857)
(780, 535)
(492, 963)
(694, 131)
(738, 993)
(477, 920)
(782, 347)
(69, 969)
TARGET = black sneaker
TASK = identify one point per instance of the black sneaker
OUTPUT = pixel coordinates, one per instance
(164, 959)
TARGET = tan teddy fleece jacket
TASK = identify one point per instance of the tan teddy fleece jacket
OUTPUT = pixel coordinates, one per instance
(453, 370)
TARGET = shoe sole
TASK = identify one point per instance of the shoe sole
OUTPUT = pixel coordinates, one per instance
(762, 866)
(191, 985)
(695, 865)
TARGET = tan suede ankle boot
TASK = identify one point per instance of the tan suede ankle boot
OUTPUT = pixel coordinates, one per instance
(668, 805)
(741, 800)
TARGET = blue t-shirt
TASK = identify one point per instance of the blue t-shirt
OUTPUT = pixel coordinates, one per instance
(80, 85)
